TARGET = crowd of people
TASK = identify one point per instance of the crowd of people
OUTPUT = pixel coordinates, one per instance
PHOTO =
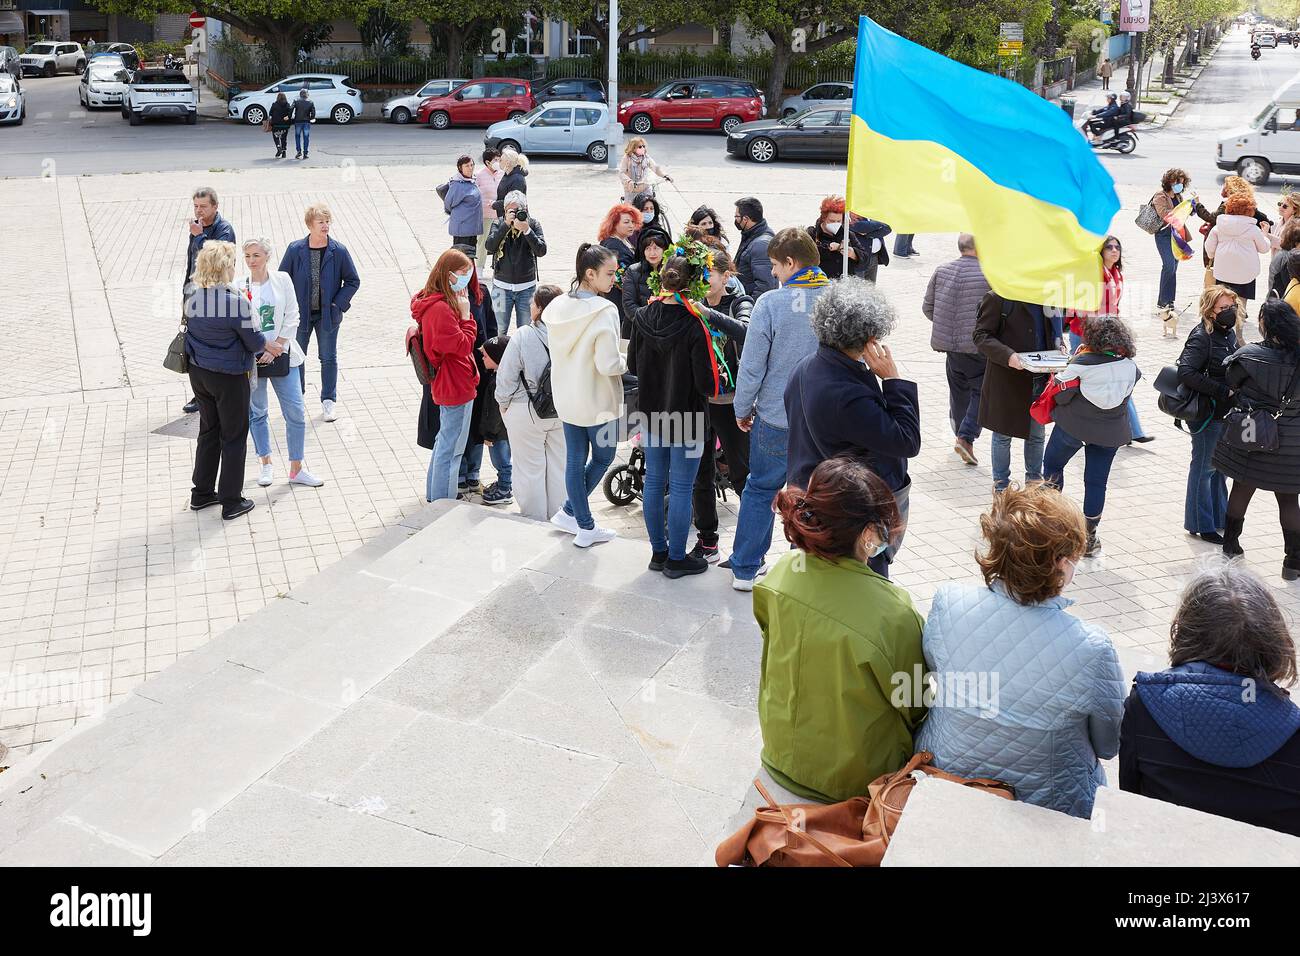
(765, 353)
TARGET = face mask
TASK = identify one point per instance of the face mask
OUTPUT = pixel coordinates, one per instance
(1178, 188)
(830, 227)
(879, 550)
(738, 225)
(1226, 318)
(647, 218)
(459, 282)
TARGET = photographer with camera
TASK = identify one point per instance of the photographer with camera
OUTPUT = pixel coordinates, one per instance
(514, 243)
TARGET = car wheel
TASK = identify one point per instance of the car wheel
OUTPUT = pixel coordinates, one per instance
(788, 112)
(439, 119)
(191, 119)
(49, 70)
(508, 144)
(132, 118)
(342, 114)
(401, 116)
(514, 115)
(80, 67)
(598, 152)
(729, 123)
(255, 115)
(641, 123)
(762, 150)
(1254, 170)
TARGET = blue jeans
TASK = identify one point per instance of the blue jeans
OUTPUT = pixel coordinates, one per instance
(1207, 490)
(903, 243)
(1134, 422)
(301, 137)
(327, 342)
(506, 300)
(581, 475)
(448, 447)
(289, 395)
(1097, 460)
(472, 462)
(670, 469)
(1168, 268)
(768, 446)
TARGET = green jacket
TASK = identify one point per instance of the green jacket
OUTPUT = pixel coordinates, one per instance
(835, 634)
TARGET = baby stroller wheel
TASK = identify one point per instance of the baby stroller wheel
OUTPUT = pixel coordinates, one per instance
(620, 486)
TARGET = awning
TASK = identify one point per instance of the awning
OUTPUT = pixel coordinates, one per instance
(11, 22)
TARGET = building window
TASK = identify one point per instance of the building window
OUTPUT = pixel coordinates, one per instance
(578, 43)
(530, 41)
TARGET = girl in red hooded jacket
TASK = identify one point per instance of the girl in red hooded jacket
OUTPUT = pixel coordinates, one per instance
(448, 329)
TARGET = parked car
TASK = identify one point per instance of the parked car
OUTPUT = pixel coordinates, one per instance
(130, 56)
(13, 108)
(576, 127)
(333, 93)
(103, 82)
(47, 58)
(823, 94)
(10, 61)
(401, 109)
(812, 134)
(590, 90)
(704, 102)
(478, 103)
(154, 94)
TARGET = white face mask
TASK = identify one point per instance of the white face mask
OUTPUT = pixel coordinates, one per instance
(647, 217)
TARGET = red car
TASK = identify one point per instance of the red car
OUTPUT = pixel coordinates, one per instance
(704, 102)
(478, 103)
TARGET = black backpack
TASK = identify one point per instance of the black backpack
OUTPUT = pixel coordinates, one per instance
(542, 400)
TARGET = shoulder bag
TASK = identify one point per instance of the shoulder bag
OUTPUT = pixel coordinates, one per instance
(1148, 220)
(1042, 407)
(1181, 402)
(176, 360)
(542, 401)
(1254, 428)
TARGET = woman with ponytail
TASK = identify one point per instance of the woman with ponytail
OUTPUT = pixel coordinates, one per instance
(834, 634)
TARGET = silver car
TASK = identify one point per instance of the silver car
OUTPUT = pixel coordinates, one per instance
(575, 127)
(822, 94)
(13, 109)
(103, 83)
(401, 109)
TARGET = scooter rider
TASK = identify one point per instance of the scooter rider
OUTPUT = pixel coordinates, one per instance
(1254, 50)
(1101, 117)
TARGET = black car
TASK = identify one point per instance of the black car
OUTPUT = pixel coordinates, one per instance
(593, 91)
(812, 134)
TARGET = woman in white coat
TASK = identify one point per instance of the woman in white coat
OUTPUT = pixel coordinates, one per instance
(275, 310)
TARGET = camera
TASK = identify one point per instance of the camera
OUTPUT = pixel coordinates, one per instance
(521, 213)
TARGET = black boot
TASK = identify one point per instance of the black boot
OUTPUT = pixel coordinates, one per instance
(1094, 544)
(1291, 563)
(1231, 532)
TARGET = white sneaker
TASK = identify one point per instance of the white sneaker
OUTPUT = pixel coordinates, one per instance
(305, 477)
(267, 476)
(565, 521)
(597, 535)
(327, 407)
(742, 584)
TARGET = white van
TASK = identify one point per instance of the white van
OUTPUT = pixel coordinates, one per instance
(1271, 143)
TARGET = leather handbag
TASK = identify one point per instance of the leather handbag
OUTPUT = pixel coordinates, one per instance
(176, 360)
(1254, 428)
(854, 832)
(278, 367)
(1181, 402)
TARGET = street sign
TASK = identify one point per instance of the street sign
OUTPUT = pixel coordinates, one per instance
(1106, 16)
(1012, 31)
(198, 21)
(1010, 47)
(1134, 16)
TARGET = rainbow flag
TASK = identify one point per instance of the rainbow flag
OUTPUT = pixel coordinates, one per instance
(1179, 236)
(937, 146)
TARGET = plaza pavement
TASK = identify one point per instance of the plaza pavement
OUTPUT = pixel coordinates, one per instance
(106, 578)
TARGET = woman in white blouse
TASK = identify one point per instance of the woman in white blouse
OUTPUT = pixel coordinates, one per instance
(275, 310)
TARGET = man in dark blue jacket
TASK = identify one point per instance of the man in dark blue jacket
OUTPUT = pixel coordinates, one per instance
(206, 224)
(325, 280)
(847, 399)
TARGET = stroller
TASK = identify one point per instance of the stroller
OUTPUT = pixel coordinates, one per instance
(624, 484)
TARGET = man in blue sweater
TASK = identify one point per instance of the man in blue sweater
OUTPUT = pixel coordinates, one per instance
(206, 224)
(780, 337)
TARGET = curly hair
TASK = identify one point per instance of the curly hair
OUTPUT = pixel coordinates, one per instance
(1172, 176)
(843, 499)
(1108, 333)
(1239, 204)
(830, 204)
(215, 264)
(1026, 532)
(610, 222)
(1236, 185)
(851, 313)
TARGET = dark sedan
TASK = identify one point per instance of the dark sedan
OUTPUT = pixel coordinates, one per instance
(593, 91)
(812, 134)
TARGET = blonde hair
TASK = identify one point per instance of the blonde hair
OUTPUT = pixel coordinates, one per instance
(632, 144)
(1235, 185)
(511, 158)
(215, 264)
(263, 244)
(317, 210)
(1211, 296)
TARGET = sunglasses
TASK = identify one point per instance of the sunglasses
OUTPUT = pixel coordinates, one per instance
(1112, 247)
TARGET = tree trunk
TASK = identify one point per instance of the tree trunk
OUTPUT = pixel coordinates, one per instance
(284, 44)
(455, 35)
(724, 37)
(775, 88)
(1168, 74)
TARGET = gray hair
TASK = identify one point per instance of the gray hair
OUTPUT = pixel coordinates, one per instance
(965, 242)
(1228, 617)
(263, 244)
(851, 313)
(516, 198)
(1108, 333)
(205, 192)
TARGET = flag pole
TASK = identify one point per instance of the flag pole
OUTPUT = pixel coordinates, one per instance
(848, 169)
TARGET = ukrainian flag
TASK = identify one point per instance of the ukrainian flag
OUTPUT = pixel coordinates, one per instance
(940, 147)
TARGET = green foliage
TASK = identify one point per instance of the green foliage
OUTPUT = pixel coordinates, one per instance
(700, 259)
(1086, 39)
(153, 50)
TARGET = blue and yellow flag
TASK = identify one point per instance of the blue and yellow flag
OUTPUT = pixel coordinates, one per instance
(937, 146)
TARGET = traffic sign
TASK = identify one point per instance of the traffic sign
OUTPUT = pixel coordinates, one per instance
(1010, 47)
(198, 21)
(1012, 31)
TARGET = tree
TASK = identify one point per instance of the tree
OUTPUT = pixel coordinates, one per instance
(459, 25)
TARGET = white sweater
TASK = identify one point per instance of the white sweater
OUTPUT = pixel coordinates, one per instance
(286, 312)
(586, 366)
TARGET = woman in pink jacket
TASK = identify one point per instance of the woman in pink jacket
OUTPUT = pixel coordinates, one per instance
(487, 179)
(1235, 244)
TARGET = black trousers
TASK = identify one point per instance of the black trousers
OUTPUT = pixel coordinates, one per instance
(735, 446)
(223, 433)
(280, 137)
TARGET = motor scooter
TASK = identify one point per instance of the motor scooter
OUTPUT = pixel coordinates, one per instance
(1254, 51)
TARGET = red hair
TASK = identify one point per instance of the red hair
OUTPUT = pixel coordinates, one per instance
(843, 499)
(610, 222)
(439, 281)
(1239, 204)
(831, 204)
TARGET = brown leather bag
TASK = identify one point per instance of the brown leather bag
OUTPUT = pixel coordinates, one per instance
(853, 832)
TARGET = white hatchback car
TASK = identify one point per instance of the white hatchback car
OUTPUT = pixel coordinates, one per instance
(401, 109)
(333, 93)
(103, 83)
(13, 109)
(823, 94)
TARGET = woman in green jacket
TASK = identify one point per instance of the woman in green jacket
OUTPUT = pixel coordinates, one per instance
(834, 710)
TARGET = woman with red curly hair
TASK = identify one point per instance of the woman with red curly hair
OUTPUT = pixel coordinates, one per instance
(828, 235)
(835, 635)
(1235, 244)
(617, 230)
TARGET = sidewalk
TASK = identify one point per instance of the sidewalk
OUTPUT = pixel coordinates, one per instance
(1158, 103)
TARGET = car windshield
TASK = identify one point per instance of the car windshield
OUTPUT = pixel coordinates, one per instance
(43, 49)
(105, 74)
(6, 83)
(798, 117)
(533, 113)
(663, 90)
(1263, 116)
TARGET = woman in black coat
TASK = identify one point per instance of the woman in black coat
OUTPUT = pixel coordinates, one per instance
(1264, 375)
(828, 236)
(1201, 368)
(1191, 736)
(281, 120)
(636, 292)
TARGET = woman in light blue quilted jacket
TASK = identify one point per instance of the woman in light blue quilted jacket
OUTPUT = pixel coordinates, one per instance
(1025, 692)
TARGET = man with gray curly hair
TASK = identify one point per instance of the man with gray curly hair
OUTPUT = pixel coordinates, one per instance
(848, 400)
